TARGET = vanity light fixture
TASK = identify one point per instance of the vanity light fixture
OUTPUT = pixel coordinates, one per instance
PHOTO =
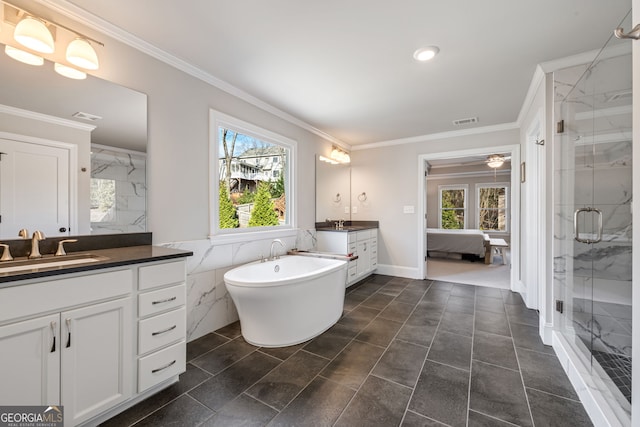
(328, 160)
(34, 34)
(69, 72)
(81, 53)
(23, 56)
(426, 53)
(39, 35)
(495, 161)
(340, 156)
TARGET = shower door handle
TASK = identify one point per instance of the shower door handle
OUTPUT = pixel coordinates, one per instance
(576, 228)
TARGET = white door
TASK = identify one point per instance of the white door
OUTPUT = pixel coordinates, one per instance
(34, 189)
(30, 368)
(97, 359)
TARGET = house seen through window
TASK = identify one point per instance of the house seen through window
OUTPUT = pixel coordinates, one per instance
(252, 180)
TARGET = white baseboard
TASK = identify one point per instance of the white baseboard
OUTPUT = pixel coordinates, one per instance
(394, 270)
(546, 333)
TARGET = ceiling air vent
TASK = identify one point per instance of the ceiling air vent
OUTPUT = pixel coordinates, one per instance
(466, 121)
(86, 116)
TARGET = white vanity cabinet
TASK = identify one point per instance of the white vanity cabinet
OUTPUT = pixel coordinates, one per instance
(79, 355)
(95, 342)
(363, 243)
(162, 323)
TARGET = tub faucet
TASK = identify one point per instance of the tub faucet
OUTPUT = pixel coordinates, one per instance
(272, 253)
(35, 244)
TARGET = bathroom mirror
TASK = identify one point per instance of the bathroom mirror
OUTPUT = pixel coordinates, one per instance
(118, 143)
(333, 191)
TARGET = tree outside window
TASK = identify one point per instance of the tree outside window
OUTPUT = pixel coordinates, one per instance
(493, 207)
(251, 174)
(453, 208)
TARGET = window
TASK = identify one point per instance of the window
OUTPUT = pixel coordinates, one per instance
(251, 177)
(493, 207)
(103, 200)
(453, 206)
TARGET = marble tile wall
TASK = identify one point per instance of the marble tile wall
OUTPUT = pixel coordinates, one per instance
(592, 168)
(209, 306)
(128, 170)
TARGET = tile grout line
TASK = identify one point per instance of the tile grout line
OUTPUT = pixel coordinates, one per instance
(385, 349)
(526, 395)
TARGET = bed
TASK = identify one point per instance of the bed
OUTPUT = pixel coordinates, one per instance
(465, 241)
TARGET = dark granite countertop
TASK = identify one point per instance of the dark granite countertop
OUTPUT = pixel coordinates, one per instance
(113, 257)
(347, 227)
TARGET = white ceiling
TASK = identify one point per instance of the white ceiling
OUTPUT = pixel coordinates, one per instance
(346, 67)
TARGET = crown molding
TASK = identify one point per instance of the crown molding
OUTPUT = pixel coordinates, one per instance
(96, 23)
(45, 118)
(436, 136)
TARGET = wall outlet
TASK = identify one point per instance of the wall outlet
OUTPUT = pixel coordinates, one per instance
(354, 209)
(409, 209)
(346, 209)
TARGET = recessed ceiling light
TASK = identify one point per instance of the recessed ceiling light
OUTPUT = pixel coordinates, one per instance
(425, 53)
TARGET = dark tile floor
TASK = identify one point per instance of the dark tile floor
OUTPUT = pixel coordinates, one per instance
(406, 352)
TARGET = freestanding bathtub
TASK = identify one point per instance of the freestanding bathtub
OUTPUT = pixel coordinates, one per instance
(288, 300)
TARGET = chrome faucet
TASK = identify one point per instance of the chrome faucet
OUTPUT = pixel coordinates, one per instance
(272, 254)
(35, 244)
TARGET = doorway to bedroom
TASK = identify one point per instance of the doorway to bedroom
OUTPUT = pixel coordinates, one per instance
(470, 235)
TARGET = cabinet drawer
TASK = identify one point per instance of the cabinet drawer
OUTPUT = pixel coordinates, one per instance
(352, 273)
(351, 237)
(151, 276)
(161, 330)
(161, 365)
(353, 247)
(37, 298)
(161, 300)
(363, 235)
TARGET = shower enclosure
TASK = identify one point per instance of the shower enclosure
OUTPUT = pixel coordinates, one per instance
(592, 222)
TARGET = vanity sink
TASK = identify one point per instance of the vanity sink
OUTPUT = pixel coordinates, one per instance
(49, 262)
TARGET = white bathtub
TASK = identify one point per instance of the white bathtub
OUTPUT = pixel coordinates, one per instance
(289, 300)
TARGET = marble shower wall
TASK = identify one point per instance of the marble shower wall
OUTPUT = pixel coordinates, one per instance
(209, 306)
(128, 171)
(592, 168)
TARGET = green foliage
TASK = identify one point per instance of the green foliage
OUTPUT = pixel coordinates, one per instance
(228, 216)
(453, 209)
(277, 188)
(247, 197)
(263, 213)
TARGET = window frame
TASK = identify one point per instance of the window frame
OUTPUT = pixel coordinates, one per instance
(507, 207)
(465, 188)
(217, 120)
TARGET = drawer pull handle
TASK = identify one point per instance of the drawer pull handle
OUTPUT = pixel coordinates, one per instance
(162, 301)
(168, 365)
(153, 334)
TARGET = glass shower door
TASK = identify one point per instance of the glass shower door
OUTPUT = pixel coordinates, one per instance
(592, 226)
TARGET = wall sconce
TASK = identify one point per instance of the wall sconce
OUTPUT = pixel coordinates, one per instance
(340, 156)
(38, 36)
